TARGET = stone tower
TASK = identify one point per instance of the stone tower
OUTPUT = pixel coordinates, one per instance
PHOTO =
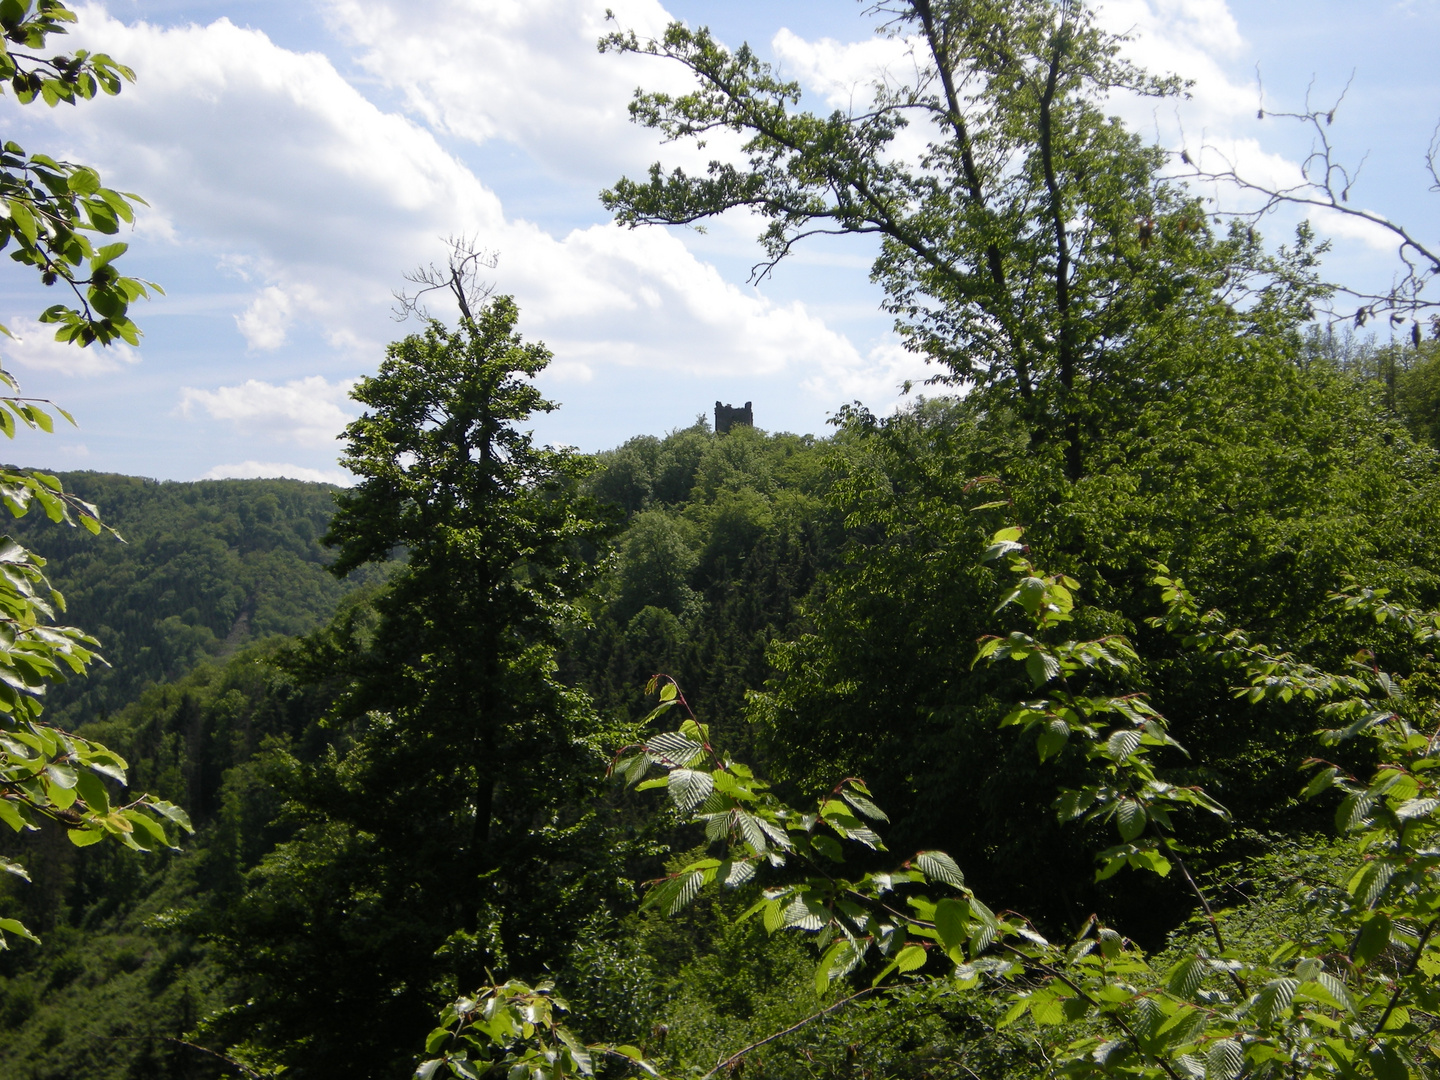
(726, 416)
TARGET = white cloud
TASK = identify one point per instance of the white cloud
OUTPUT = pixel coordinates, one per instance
(309, 412)
(877, 380)
(1197, 29)
(34, 348)
(844, 73)
(641, 300)
(258, 470)
(1374, 236)
(266, 319)
(525, 72)
(1198, 40)
(270, 160)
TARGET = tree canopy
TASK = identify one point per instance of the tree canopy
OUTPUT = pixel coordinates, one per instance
(1033, 245)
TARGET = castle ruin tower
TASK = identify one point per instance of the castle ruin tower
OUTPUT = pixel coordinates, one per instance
(727, 416)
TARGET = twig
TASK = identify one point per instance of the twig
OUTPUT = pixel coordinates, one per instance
(460, 277)
(244, 1069)
(1325, 184)
(1400, 982)
(733, 1058)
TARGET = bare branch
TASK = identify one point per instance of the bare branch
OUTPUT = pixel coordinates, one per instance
(461, 276)
(740, 1054)
(1326, 183)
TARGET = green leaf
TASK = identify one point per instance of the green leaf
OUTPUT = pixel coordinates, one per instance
(84, 181)
(863, 806)
(1274, 998)
(1041, 667)
(688, 788)
(149, 826)
(911, 958)
(1373, 938)
(1130, 819)
(437, 1039)
(938, 866)
(838, 961)
(1003, 543)
(1387, 1063)
(1186, 977)
(92, 790)
(1414, 809)
(1072, 803)
(1122, 743)
(24, 219)
(1224, 1060)
(1053, 736)
(10, 813)
(61, 775)
(13, 926)
(952, 922)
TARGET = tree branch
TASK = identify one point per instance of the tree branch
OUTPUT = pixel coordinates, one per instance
(733, 1058)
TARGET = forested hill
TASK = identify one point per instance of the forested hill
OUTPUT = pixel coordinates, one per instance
(720, 540)
(817, 599)
(204, 568)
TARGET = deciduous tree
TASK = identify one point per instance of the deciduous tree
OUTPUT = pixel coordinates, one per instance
(1032, 245)
(451, 830)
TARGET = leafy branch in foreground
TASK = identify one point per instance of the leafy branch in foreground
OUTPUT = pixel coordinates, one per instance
(515, 1028)
(46, 774)
(1352, 995)
(48, 206)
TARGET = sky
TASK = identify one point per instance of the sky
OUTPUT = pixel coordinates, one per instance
(298, 157)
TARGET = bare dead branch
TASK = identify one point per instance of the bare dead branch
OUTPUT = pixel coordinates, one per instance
(1326, 183)
(461, 276)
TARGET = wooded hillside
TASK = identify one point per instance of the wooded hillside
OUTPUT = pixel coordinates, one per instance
(200, 569)
(1079, 718)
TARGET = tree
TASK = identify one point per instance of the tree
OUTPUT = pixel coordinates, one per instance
(1347, 993)
(1134, 379)
(46, 774)
(450, 829)
(1033, 246)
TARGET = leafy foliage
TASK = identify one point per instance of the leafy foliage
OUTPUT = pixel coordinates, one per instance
(1032, 245)
(516, 1029)
(124, 934)
(412, 800)
(725, 535)
(51, 205)
(1266, 508)
(1334, 1002)
(46, 774)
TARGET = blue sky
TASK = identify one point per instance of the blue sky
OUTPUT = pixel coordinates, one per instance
(300, 156)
